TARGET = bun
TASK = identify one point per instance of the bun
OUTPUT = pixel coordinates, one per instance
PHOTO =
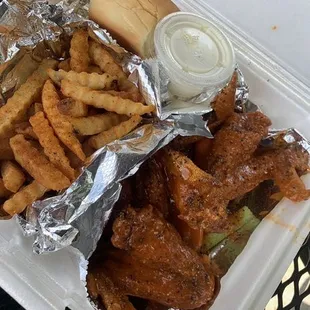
(131, 22)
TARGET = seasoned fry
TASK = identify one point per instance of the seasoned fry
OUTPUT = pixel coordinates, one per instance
(22, 99)
(91, 80)
(4, 192)
(65, 65)
(88, 150)
(13, 176)
(134, 96)
(63, 128)
(5, 149)
(114, 133)
(35, 107)
(26, 129)
(103, 100)
(26, 196)
(75, 162)
(37, 165)
(102, 58)
(92, 69)
(71, 107)
(51, 145)
(92, 125)
(79, 51)
(38, 107)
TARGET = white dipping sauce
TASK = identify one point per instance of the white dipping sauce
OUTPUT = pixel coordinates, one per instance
(197, 55)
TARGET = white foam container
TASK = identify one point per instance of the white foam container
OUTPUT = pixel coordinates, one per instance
(278, 85)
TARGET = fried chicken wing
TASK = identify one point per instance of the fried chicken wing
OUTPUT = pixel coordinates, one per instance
(236, 141)
(99, 284)
(152, 262)
(195, 193)
(224, 103)
(278, 165)
(151, 186)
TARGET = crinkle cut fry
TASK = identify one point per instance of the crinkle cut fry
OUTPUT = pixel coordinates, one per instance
(102, 58)
(92, 125)
(13, 176)
(92, 80)
(103, 100)
(51, 145)
(26, 196)
(4, 192)
(114, 133)
(61, 125)
(71, 107)
(37, 165)
(17, 105)
(79, 61)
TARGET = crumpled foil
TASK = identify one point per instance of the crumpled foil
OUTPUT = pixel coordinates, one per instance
(33, 30)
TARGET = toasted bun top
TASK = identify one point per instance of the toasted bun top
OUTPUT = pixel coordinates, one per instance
(131, 22)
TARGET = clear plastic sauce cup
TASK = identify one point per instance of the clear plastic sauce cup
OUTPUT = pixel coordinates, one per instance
(197, 55)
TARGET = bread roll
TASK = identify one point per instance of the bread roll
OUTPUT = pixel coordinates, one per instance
(131, 22)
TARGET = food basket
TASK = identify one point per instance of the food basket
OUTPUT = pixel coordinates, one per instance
(53, 281)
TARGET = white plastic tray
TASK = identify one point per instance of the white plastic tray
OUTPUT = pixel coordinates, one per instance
(52, 281)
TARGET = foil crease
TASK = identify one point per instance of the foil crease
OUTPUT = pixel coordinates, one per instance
(33, 30)
(79, 215)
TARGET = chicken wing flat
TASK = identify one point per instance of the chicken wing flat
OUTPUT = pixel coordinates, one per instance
(236, 141)
(195, 193)
(152, 262)
(224, 103)
(278, 165)
(151, 186)
(99, 285)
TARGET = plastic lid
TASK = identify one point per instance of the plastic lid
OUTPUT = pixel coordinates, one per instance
(194, 50)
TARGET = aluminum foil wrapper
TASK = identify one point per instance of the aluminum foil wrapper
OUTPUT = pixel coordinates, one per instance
(33, 30)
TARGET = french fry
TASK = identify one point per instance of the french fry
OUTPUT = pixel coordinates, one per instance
(13, 177)
(38, 107)
(51, 145)
(94, 69)
(75, 162)
(37, 165)
(34, 108)
(63, 128)
(103, 100)
(134, 96)
(65, 65)
(102, 58)
(92, 125)
(5, 149)
(71, 107)
(114, 133)
(26, 196)
(4, 192)
(88, 150)
(26, 129)
(17, 105)
(91, 80)
(79, 51)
